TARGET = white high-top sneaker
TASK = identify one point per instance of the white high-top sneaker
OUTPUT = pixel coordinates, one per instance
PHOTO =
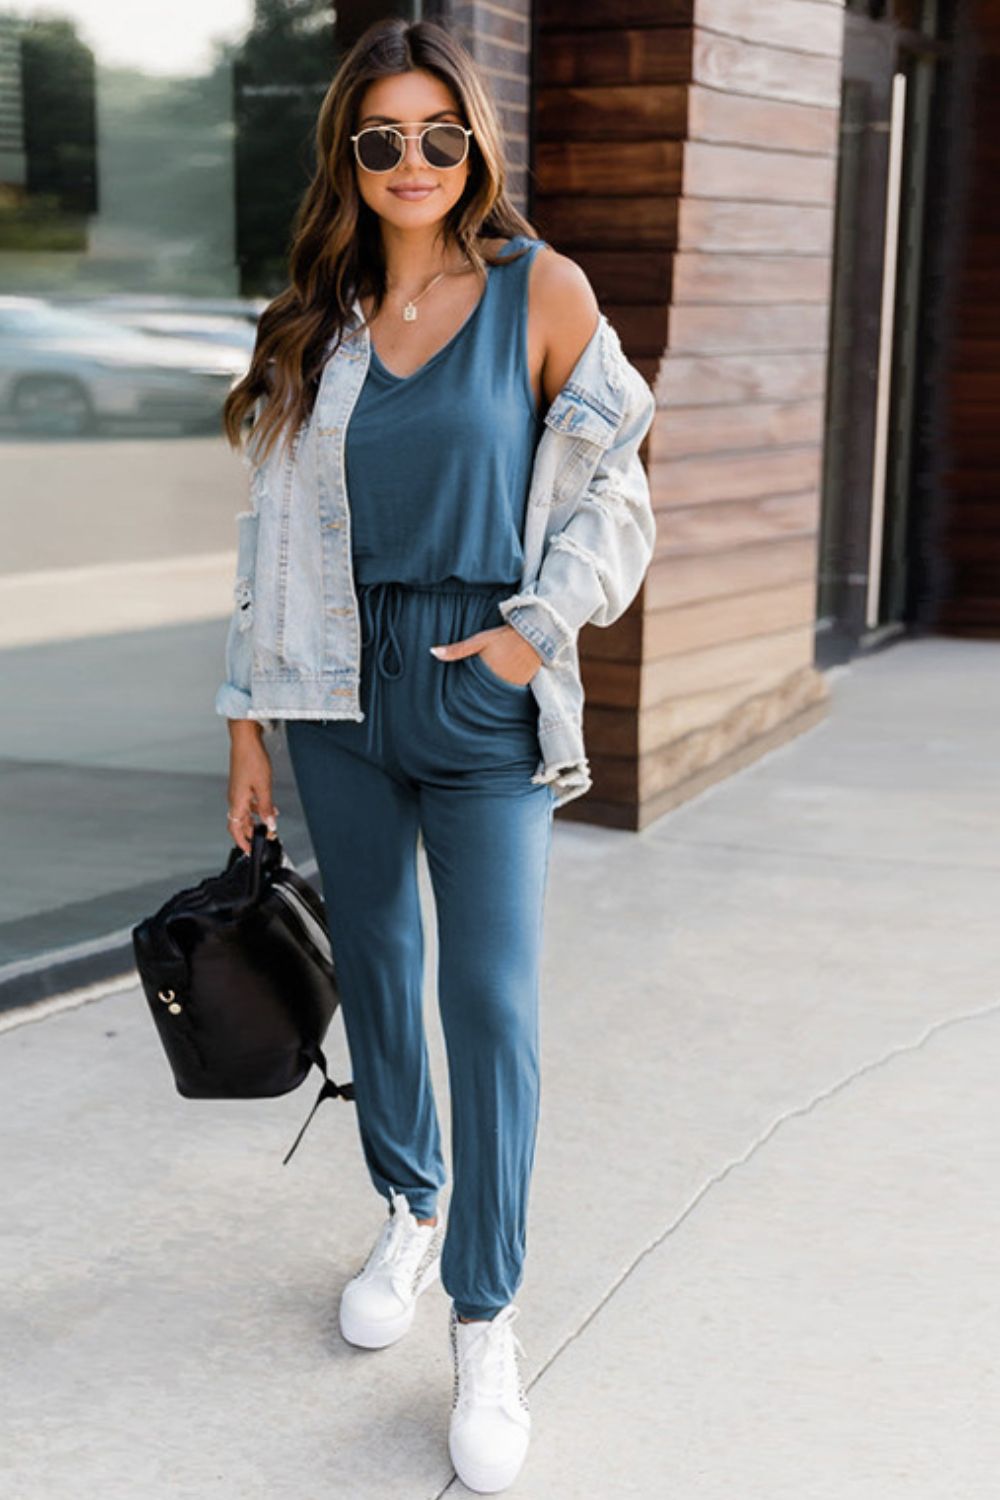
(378, 1303)
(490, 1421)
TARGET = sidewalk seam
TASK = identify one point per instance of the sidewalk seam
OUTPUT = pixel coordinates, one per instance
(903, 1049)
(842, 1084)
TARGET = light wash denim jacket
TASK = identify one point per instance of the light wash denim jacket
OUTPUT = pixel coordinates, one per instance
(293, 646)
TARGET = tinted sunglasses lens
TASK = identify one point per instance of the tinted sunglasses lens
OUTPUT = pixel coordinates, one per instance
(444, 146)
(379, 150)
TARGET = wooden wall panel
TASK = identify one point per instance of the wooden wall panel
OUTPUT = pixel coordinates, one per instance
(723, 378)
(735, 452)
(604, 15)
(969, 536)
(611, 90)
(712, 478)
(814, 28)
(673, 581)
(590, 167)
(679, 432)
(630, 277)
(651, 55)
(685, 156)
(708, 622)
(722, 171)
(729, 663)
(729, 224)
(732, 329)
(770, 125)
(676, 722)
(642, 329)
(576, 220)
(719, 279)
(764, 72)
(611, 114)
(697, 529)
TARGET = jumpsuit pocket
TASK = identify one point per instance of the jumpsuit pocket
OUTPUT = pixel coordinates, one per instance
(486, 703)
(487, 674)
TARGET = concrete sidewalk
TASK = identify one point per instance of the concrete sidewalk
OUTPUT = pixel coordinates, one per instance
(764, 1242)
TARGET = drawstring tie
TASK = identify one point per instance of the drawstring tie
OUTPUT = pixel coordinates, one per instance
(380, 609)
(380, 604)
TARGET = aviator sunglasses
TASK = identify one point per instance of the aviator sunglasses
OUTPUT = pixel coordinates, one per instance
(380, 148)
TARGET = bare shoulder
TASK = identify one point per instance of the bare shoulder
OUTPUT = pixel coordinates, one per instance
(567, 315)
(562, 280)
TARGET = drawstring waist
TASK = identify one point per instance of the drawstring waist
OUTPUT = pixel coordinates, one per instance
(380, 605)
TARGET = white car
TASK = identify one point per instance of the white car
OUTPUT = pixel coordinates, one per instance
(69, 372)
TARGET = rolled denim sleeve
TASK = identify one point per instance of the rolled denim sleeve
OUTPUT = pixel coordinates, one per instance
(594, 566)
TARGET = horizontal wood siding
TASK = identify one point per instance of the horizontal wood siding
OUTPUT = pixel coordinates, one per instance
(611, 93)
(685, 156)
(735, 455)
(970, 534)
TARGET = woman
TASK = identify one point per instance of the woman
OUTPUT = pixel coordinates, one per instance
(391, 638)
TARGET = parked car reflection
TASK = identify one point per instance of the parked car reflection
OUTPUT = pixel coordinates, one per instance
(70, 373)
(218, 320)
(206, 329)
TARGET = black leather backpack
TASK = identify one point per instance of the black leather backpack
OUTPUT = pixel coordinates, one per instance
(239, 977)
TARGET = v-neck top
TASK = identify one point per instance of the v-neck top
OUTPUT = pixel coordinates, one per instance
(438, 462)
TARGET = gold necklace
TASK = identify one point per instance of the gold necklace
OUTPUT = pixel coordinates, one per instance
(410, 307)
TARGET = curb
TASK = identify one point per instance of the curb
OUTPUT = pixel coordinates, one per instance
(98, 960)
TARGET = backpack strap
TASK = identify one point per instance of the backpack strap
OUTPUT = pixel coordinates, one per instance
(330, 1090)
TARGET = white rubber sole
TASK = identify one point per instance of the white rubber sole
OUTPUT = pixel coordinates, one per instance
(369, 1334)
(487, 1479)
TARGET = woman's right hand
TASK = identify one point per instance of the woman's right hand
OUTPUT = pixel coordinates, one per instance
(250, 779)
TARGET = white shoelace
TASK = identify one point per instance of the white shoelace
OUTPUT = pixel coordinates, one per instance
(399, 1248)
(488, 1368)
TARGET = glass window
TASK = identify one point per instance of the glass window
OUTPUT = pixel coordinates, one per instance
(151, 159)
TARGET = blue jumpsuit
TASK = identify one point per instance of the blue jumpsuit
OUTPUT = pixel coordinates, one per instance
(438, 464)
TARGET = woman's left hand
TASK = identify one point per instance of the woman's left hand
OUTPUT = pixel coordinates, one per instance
(504, 650)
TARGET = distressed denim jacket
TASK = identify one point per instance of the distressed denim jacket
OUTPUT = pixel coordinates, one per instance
(293, 646)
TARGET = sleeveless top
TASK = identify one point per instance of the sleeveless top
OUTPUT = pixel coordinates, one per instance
(438, 462)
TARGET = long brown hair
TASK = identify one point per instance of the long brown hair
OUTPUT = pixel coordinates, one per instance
(336, 247)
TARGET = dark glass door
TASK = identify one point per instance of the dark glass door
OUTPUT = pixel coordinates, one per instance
(888, 108)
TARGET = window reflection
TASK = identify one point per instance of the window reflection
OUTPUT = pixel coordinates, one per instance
(75, 374)
(151, 161)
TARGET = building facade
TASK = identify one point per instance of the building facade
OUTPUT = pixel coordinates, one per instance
(783, 209)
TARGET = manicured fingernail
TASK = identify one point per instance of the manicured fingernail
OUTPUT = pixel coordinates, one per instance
(436, 651)
(271, 823)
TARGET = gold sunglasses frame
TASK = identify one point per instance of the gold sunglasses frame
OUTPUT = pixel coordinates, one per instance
(466, 130)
